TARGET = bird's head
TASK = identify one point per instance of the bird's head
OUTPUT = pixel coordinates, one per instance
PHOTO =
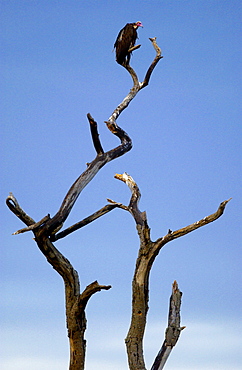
(138, 24)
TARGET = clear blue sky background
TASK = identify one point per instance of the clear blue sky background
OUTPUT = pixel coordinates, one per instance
(57, 65)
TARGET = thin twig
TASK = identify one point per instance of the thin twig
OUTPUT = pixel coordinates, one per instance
(171, 235)
(33, 226)
(84, 222)
(134, 48)
(153, 64)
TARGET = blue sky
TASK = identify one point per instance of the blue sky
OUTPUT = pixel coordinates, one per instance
(57, 65)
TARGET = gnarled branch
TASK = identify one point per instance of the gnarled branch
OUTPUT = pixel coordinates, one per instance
(54, 224)
(137, 86)
(45, 230)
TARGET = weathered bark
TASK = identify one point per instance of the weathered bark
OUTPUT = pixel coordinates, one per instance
(75, 309)
(46, 230)
(137, 86)
(173, 330)
(148, 251)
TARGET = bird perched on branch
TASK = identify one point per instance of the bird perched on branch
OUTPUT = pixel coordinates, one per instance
(125, 41)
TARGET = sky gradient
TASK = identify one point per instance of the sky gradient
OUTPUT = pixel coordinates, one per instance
(57, 65)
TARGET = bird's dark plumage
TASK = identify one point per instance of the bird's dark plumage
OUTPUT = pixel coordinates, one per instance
(125, 41)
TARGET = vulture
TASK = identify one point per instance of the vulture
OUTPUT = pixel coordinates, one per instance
(125, 41)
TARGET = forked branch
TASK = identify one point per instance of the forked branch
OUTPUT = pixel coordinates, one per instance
(137, 86)
(148, 251)
(153, 64)
(54, 224)
(46, 230)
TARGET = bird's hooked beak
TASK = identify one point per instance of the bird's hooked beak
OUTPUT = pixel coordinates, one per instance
(139, 24)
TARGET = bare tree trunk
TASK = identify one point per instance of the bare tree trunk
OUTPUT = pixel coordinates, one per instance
(148, 251)
(46, 230)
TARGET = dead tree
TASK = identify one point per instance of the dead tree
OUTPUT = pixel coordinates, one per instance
(47, 230)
